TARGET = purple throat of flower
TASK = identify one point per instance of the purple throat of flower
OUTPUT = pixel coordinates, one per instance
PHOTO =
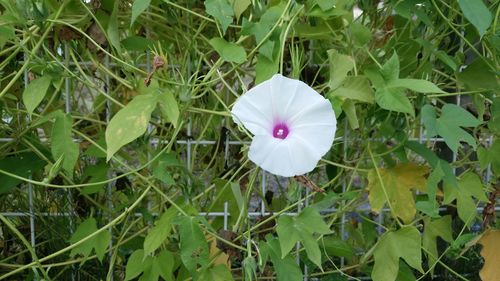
(280, 130)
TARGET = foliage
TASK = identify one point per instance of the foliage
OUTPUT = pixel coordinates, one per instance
(118, 149)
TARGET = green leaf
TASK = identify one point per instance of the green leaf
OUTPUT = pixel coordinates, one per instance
(430, 120)
(160, 167)
(129, 123)
(86, 228)
(449, 124)
(138, 7)
(23, 165)
(265, 69)
(229, 51)
(137, 43)
(239, 6)
(405, 273)
(356, 88)
(217, 273)
(432, 229)
(100, 242)
(469, 187)
(390, 70)
(159, 232)
(335, 246)
(265, 24)
(416, 85)
(434, 161)
(490, 156)
(340, 65)
(446, 59)
(483, 157)
(494, 123)
(394, 99)
(286, 268)
(134, 265)
(267, 49)
(169, 107)
(6, 33)
(229, 192)
(477, 13)
(301, 228)
(193, 245)
(393, 245)
(431, 207)
(349, 109)
(113, 26)
(250, 268)
(62, 142)
(165, 264)
(361, 34)
(35, 92)
(395, 185)
(222, 11)
(94, 173)
(150, 269)
(478, 75)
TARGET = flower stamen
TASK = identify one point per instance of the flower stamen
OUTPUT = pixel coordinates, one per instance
(280, 131)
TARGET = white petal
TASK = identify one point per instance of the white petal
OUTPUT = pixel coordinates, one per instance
(287, 158)
(304, 155)
(272, 155)
(315, 126)
(284, 92)
(254, 111)
(290, 96)
(319, 138)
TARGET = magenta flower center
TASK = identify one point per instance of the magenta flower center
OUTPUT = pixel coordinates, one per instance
(280, 131)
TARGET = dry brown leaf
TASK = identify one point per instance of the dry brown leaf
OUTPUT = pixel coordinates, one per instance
(220, 256)
(491, 247)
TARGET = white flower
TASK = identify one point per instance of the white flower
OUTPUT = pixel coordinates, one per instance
(293, 125)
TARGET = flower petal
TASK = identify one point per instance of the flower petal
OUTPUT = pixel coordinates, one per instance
(290, 97)
(315, 125)
(284, 92)
(254, 111)
(304, 156)
(286, 158)
(272, 155)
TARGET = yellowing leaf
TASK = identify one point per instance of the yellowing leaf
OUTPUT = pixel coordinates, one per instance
(395, 185)
(129, 123)
(221, 258)
(491, 247)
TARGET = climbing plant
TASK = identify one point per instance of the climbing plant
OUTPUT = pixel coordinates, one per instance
(120, 159)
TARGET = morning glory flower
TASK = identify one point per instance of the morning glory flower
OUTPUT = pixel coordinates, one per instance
(293, 125)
